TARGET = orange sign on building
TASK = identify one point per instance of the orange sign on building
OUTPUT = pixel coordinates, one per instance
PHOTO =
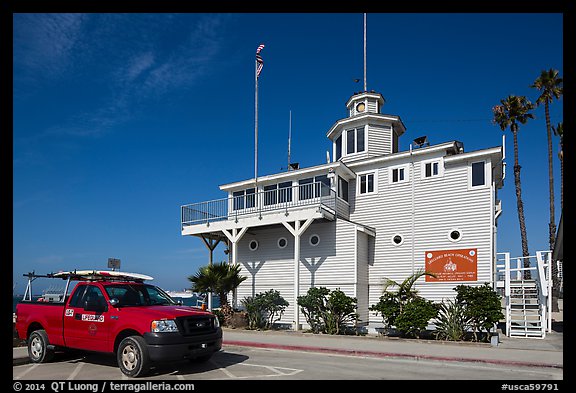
(452, 265)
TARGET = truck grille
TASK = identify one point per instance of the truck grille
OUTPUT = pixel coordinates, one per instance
(190, 326)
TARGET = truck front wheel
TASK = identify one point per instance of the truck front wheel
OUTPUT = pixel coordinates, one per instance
(38, 350)
(132, 356)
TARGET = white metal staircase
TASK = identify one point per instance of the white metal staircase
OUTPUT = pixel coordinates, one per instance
(526, 315)
(527, 301)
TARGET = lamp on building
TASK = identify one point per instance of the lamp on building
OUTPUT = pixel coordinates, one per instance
(421, 141)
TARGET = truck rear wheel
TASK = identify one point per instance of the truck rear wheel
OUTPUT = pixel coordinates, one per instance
(38, 350)
(132, 357)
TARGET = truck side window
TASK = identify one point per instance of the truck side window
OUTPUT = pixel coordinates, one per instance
(78, 293)
(93, 293)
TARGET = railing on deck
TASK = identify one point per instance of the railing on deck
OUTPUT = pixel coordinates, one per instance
(540, 268)
(289, 198)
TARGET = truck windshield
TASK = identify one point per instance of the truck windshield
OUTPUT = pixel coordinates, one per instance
(130, 295)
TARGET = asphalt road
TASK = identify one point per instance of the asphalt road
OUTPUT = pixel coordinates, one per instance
(248, 363)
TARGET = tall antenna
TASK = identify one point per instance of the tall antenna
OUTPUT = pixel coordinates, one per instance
(289, 137)
(365, 83)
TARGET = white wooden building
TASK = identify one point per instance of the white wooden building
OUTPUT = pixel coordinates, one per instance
(374, 212)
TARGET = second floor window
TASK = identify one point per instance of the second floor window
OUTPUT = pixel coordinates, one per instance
(244, 199)
(366, 184)
(478, 174)
(399, 174)
(342, 188)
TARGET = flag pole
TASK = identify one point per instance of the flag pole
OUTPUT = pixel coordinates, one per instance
(365, 84)
(256, 129)
(259, 63)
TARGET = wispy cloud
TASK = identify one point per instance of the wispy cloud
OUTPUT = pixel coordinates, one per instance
(44, 43)
(127, 60)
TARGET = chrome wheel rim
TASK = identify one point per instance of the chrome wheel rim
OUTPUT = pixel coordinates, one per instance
(36, 347)
(129, 357)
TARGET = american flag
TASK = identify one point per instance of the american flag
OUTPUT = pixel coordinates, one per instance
(259, 60)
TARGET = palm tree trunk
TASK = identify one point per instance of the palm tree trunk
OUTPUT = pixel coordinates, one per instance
(520, 205)
(552, 223)
(561, 181)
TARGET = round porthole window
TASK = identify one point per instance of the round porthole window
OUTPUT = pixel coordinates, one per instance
(314, 240)
(454, 235)
(282, 242)
(253, 245)
(397, 240)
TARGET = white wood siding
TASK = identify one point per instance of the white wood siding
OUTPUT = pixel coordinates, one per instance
(380, 140)
(363, 258)
(330, 264)
(372, 106)
(440, 204)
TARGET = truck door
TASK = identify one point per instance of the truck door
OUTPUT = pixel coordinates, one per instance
(85, 320)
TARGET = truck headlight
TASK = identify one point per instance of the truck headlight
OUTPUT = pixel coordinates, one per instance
(216, 322)
(163, 326)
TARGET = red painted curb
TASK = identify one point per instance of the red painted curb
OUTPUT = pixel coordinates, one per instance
(352, 352)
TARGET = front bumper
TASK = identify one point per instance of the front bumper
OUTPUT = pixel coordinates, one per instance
(163, 347)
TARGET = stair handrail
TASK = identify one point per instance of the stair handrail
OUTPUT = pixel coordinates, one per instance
(545, 280)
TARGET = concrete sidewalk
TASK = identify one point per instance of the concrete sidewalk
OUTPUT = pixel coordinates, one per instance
(529, 352)
(547, 352)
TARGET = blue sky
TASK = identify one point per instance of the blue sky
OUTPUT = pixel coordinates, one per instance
(119, 119)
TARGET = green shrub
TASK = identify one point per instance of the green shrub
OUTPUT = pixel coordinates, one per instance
(415, 316)
(389, 307)
(312, 306)
(482, 306)
(326, 311)
(264, 309)
(340, 311)
(253, 312)
(451, 321)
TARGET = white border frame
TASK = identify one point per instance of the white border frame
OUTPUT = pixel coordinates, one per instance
(487, 177)
(440, 162)
(375, 173)
(406, 168)
(459, 231)
(257, 245)
(310, 239)
(394, 243)
(278, 243)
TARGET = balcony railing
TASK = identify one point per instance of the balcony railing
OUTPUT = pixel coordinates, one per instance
(281, 199)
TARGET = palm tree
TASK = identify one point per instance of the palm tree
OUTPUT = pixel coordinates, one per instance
(405, 291)
(550, 85)
(514, 110)
(219, 278)
(559, 131)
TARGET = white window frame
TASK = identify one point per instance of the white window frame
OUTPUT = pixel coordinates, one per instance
(344, 135)
(406, 173)
(457, 230)
(257, 244)
(440, 173)
(310, 239)
(486, 175)
(365, 173)
(278, 242)
(401, 240)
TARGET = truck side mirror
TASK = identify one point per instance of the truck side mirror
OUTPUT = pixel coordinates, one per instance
(94, 305)
(114, 302)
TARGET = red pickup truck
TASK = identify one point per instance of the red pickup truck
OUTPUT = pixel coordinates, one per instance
(117, 314)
